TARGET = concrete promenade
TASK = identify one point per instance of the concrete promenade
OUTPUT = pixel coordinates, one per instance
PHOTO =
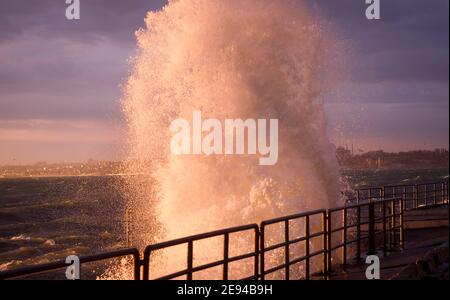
(424, 254)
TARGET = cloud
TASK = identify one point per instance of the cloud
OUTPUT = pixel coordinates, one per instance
(60, 78)
(44, 130)
(116, 20)
(58, 69)
(68, 72)
(409, 43)
(392, 127)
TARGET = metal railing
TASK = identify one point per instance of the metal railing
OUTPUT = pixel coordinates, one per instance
(371, 219)
(369, 194)
(189, 241)
(375, 221)
(415, 195)
(290, 240)
(41, 268)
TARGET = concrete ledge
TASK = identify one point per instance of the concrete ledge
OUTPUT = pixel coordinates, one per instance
(433, 265)
(426, 224)
(437, 216)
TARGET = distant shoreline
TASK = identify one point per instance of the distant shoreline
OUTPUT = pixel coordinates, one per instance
(412, 168)
(65, 176)
(341, 169)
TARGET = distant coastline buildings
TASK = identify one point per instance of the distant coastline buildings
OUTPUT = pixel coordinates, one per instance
(438, 158)
(420, 159)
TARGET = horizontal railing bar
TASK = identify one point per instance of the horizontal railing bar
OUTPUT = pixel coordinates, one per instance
(282, 244)
(34, 269)
(298, 260)
(28, 270)
(199, 237)
(274, 269)
(291, 217)
(242, 257)
(173, 275)
(352, 206)
(318, 252)
(337, 246)
(108, 255)
(294, 241)
(317, 234)
(429, 183)
(209, 265)
(294, 261)
(253, 277)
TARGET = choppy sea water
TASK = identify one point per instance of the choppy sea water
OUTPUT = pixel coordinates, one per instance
(47, 219)
(383, 177)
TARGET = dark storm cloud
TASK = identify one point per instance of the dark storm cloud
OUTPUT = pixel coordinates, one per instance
(58, 69)
(409, 43)
(114, 19)
(52, 68)
(60, 78)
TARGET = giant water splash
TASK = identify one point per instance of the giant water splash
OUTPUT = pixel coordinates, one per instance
(228, 59)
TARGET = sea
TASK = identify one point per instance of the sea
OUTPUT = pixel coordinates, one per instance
(48, 218)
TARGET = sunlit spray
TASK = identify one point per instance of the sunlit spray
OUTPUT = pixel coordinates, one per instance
(246, 59)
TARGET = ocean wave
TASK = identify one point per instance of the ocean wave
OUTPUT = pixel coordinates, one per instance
(9, 265)
(20, 237)
(27, 256)
(45, 205)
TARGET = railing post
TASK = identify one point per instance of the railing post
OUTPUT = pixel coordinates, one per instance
(434, 194)
(226, 242)
(371, 228)
(262, 247)
(329, 241)
(137, 267)
(190, 258)
(384, 229)
(394, 231)
(416, 196)
(127, 224)
(358, 234)
(324, 243)
(146, 268)
(307, 269)
(344, 248)
(257, 237)
(446, 191)
(383, 193)
(404, 197)
(286, 249)
(445, 187)
(426, 194)
(401, 236)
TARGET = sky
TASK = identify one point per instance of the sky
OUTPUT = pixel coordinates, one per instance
(60, 80)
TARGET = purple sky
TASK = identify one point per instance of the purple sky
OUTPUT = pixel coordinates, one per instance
(60, 94)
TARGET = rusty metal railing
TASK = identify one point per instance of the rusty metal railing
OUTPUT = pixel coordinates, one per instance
(376, 218)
